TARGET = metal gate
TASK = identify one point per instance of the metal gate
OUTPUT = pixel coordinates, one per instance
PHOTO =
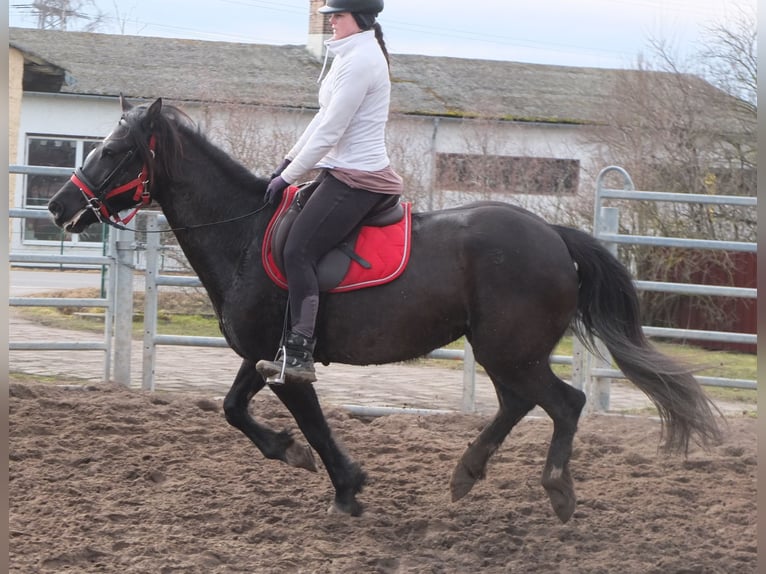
(595, 373)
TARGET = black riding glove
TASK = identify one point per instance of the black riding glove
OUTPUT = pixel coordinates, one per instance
(274, 191)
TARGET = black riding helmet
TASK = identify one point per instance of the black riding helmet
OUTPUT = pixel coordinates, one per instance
(353, 6)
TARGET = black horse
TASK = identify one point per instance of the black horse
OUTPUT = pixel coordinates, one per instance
(501, 276)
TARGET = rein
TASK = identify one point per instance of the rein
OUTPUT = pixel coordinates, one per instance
(142, 197)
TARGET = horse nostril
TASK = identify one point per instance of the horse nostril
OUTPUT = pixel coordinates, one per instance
(55, 208)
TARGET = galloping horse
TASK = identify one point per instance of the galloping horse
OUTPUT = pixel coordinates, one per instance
(501, 276)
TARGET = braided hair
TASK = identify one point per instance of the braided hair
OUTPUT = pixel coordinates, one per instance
(366, 21)
(381, 41)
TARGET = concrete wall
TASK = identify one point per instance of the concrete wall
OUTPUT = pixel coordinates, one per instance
(15, 92)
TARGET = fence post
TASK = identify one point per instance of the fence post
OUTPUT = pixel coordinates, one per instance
(469, 379)
(123, 305)
(598, 389)
(150, 301)
(107, 292)
(578, 364)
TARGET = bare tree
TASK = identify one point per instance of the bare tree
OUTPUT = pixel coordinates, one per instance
(675, 131)
(122, 19)
(730, 57)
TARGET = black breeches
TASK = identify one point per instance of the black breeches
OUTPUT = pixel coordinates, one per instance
(333, 211)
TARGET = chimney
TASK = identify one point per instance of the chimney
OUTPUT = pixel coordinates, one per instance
(319, 29)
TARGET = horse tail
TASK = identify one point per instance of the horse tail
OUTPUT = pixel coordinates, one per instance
(608, 308)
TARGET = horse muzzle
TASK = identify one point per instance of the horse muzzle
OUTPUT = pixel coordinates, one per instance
(70, 211)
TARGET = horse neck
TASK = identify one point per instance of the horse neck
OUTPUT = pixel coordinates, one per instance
(198, 205)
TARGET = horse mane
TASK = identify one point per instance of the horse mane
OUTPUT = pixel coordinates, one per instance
(170, 128)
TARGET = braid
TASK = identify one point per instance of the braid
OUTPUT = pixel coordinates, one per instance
(381, 41)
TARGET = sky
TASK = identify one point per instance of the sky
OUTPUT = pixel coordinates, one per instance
(590, 33)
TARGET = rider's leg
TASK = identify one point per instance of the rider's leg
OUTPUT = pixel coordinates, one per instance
(329, 216)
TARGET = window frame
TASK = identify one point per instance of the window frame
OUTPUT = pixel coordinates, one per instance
(82, 146)
(474, 173)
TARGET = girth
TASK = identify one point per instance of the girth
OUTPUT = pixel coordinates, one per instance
(334, 265)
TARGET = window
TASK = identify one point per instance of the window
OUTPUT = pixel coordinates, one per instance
(508, 174)
(56, 152)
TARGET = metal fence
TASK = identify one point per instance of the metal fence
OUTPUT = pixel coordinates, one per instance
(589, 373)
(116, 263)
(106, 302)
(597, 373)
(105, 344)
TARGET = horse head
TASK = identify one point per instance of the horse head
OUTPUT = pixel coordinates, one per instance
(117, 175)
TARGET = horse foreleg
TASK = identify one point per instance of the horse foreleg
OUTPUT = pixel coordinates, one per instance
(273, 445)
(472, 465)
(347, 477)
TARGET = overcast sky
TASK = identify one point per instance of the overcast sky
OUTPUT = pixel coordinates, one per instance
(601, 33)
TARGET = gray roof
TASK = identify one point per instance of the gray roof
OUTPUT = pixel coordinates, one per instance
(195, 70)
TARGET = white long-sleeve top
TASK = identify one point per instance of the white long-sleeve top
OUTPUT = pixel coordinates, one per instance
(349, 129)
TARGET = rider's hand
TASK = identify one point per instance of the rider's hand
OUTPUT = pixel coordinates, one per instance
(274, 190)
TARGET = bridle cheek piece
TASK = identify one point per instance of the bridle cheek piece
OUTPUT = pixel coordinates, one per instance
(97, 199)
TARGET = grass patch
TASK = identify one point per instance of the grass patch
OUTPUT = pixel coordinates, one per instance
(19, 377)
(181, 311)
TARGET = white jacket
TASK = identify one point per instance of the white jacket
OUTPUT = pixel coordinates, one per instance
(349, 129)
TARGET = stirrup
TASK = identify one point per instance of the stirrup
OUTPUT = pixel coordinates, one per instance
(280, 378)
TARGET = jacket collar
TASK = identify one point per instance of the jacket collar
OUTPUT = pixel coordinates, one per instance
(345, 45)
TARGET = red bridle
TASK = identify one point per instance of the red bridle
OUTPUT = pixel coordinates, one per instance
(97, 199)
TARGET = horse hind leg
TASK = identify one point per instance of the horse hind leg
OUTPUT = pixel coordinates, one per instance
(473, 463)
(536, 384)
(273, 445)
(563, 403)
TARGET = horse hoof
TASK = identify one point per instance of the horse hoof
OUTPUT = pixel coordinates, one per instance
(300, 456)
(350, 508)
(461, 483)
(562, 497)
(563, 505)
(560, 488)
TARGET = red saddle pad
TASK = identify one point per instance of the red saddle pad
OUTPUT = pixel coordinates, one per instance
(387, 249)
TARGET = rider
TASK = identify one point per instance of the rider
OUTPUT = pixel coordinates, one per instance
(346, 139)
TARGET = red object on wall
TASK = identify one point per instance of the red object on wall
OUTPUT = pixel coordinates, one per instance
(743, 273)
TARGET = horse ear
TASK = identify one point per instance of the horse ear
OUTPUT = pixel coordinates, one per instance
(153, 112)
(125, 104)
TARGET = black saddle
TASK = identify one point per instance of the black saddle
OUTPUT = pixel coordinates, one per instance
(333, 266)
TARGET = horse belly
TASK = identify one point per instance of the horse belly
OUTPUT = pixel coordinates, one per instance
(399, 321)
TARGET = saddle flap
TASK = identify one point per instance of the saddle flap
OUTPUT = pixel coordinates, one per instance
(376, 253)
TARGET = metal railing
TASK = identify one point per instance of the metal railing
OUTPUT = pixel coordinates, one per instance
(106, 302)
(587, 373)
(597, 373)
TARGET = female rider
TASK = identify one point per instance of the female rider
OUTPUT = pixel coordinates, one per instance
(346, 139)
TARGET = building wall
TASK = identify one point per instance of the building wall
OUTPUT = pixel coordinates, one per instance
(15, 92)
(260, 136)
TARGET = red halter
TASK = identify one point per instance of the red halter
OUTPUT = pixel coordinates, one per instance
(97, 200)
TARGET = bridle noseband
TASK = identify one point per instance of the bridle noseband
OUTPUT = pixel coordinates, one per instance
(97, 199)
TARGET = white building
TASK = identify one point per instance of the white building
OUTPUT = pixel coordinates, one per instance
(460, 128)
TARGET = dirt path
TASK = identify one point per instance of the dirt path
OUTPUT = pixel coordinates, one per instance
(112, 480)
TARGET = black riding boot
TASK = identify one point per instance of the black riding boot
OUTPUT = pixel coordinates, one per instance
(295, 361)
